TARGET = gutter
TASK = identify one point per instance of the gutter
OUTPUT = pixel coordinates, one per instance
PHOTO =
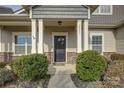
(101, 26)
(120, 24)
(18, 15)
(114, 26)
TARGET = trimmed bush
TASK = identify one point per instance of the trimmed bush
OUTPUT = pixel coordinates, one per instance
(117, 57)
(31, 67)
(2, 64)
(90, 65)
(5, 76)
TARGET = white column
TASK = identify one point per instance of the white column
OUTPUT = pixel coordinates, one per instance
(79, 36)
(85, 34)
(0, 38)
(40, 39)
(34, 35)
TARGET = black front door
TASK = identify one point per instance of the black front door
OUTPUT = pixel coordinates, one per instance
(59, 48)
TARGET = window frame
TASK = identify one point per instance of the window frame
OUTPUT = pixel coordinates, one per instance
(99, 13)
(14, 45)
(97, 34)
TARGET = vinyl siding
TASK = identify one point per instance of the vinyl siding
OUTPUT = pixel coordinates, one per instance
(6, 36)
(115, 18)
(59, 11)
(120, 40)
(109, 39)
(6, 41)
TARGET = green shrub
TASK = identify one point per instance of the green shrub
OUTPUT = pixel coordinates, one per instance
(117, 57)
(2, 64)
(90, 65)
(31, 67)
(5, 76)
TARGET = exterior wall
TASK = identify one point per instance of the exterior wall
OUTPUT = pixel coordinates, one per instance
(71, 57)
(5, 45)
(7, 36)
(71, 37)
(120, 40)
(48, 42)
(59, 11)
(109, 39)
(6, 53)
(6, 57)
(118, 15)
(6, 41)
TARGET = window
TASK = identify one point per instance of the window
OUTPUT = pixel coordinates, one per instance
(103, 10)
(96, 42)
(22, 44)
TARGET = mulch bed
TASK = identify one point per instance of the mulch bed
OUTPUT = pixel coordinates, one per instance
(113, 78)
(43, 83)
(85, 84)
(97, 84)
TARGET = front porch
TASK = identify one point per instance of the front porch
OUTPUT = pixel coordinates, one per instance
(39, 37)
(60, 32)
(48, 34)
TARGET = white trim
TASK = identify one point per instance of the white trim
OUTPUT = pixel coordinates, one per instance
(59, 34)
(30, 12)
(1, 39)
(85, 35)
(13, 41)
(97, 34)
(89, 13)
(41, 36)
(18, 15)
(34, 35)
(79, 36)
(99, 13)
(20, 11)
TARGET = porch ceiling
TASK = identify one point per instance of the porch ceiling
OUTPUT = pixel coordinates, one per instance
(14, 20)
(54, 22)
(15, 23)
(14, 17)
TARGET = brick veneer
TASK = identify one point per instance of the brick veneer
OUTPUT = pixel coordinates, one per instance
(6, 56)
(108, 54)
(71, 57)
(49, 56)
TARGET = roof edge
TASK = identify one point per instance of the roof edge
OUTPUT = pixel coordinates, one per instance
(92, 7)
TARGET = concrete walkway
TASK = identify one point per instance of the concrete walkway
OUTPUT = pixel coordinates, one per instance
(61, 76)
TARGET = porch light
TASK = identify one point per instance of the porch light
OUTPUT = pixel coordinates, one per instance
(60, 23)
